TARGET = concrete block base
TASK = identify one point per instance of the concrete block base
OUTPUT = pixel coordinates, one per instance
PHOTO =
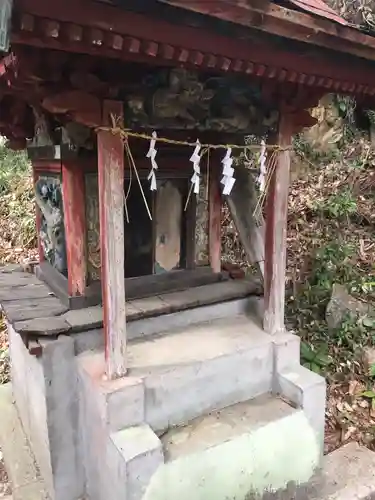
(184, 374)
(305, 390)
(246, 451)
(347, 474)
(98, 439)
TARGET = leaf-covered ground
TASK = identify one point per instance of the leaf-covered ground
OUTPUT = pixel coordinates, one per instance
(331, 240)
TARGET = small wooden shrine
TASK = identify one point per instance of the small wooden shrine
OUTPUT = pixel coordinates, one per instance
(74, 71)
(132, 113)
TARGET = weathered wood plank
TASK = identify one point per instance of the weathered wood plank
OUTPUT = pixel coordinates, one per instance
(275, 232)
(214, 221)
(73, 187)
(242, 203)
(111, 208)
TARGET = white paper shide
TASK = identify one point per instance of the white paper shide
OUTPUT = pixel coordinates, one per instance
(154, 166)
(228, 179)
(195, 159)
(262, 167)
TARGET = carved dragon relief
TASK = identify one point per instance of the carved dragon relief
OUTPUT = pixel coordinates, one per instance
(180, 99)
(93, 227)
(52, 233)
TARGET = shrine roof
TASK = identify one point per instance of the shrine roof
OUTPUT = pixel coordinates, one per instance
(314, 7)
(319, 8)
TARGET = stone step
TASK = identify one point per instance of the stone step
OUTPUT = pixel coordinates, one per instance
(259, 449)
(121, 467)
(175, 378)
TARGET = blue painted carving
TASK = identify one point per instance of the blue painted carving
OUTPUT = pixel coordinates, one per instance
(5, 18)
(52, 232)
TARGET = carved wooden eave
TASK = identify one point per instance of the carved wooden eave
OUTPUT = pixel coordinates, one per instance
(115, 33)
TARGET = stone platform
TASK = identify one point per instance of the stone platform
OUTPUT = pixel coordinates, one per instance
(347, 474)
(206, 385)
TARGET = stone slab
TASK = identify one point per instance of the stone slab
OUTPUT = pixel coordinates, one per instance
(42, 326)
(149, 304)
(84, 319)
(11, 268)
(29, 291)
(22, 310)
(18, 278)
(204, 367)
(19, 459)
(148, 307)
(349, 474)
(222, 425)
(208, 294)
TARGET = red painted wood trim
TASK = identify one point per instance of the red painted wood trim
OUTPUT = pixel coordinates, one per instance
(36, 175)
(276, 232)
(45, 167)
(73, 186)
(191, 40)
(111, 210)
(214, 220)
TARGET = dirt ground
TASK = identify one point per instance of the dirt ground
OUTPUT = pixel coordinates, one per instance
(5, 486)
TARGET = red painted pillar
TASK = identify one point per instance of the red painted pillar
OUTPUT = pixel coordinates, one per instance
(73, 189)
(276, 232)
(111, 209)
(214, 221)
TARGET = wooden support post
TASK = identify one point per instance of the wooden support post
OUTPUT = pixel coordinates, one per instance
(73, 189)
(275, 233)
(214, 221)
(242, 203)
(38, 220)
(111, 209)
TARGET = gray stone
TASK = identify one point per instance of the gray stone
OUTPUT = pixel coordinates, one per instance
(84, 319)
(209, 294)
(342, 305)
(24, 309)
(18, 279)
(368, 357)
(29, 291)
(11, 268)
(149, 305)
(349, 474)
(42, 326)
